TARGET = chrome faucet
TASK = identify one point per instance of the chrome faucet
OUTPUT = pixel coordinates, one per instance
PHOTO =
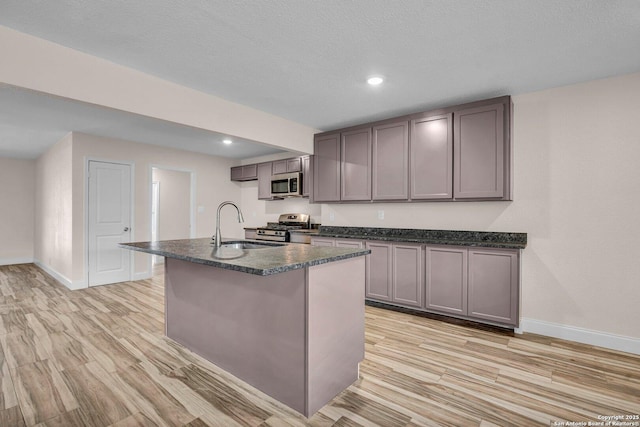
(218, 237)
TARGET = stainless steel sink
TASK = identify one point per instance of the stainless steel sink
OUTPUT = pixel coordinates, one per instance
(243, 244)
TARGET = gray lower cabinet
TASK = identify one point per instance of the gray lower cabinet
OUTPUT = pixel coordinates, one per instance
(394, 273)
(322, 241)
(446, 279)
(480, 157)
(390, 161)
(348, 243)
(431, 156)
(355, 163)
(264, 181)
(379, 271)
(326, 168)
(407, 283)
(480, 284)
(493, 285)
(477, 283)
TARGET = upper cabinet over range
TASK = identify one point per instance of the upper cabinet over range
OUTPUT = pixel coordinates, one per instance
(262, 172)
(456, 153)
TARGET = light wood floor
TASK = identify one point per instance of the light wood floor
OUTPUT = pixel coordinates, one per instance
(98, 357)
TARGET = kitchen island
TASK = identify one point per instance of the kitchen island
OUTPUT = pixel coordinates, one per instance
(289, 320)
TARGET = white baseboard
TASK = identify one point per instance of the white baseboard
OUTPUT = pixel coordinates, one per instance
(61, 278)
(13, 261)
(581, 335)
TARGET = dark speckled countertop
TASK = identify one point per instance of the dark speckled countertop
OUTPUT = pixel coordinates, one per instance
(263, 262)
(486, 239)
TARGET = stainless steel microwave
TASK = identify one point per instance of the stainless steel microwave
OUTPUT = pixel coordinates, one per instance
(286, 185)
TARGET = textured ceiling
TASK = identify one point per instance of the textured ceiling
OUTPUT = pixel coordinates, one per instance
(307, 60)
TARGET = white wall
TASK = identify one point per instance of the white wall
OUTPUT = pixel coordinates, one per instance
(174, 211)
(576, 194)
(17, 210)
(54, 221)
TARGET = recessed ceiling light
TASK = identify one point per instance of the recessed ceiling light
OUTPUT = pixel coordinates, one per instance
(375, 81)
(227, 141)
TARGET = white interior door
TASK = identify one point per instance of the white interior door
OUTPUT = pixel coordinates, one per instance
(109, 222)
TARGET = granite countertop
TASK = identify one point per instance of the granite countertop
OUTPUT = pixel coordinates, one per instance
(263, 262)
(486, 239)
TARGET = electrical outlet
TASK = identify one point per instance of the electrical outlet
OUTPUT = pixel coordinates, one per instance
(332, 216)
(380, 215)
(200, 209)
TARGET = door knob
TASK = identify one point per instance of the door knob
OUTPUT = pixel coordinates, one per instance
(126, 229)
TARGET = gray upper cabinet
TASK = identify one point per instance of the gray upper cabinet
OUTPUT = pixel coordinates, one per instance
(390, 161)
(307, 175)
(479, 150)
(279, 166)
(244, 173)
(455, 153)
(264, 181)
(356, 165)
(326, 168)
(431, 149)
(493, 285)
(446, 279)
(287, 165)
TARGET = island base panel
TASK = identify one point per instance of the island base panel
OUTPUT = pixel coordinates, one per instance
(251, 326)
(335, 345)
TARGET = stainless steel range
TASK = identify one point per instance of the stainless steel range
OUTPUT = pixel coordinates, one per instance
(279, 231)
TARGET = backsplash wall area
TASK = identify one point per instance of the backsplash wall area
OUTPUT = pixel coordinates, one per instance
(576, 191)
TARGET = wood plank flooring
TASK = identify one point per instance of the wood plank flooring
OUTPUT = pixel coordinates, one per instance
(98, 357)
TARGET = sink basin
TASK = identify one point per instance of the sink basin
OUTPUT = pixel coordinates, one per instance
(243, 244)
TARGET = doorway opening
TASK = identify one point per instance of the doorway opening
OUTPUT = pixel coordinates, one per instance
(172, 206)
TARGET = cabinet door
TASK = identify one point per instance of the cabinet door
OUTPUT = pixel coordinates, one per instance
(390, 168)
(431, 147)
(378, 275)
(236, 173)
(322, 241)
(407, 275)
(294, 165)
(355, 244)
(326, 168)
(493, 285)
(446, 279)
(244, 173)
(479, 150)
(306, 176)
(279, 166)
(264, 181)
(356, 165)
